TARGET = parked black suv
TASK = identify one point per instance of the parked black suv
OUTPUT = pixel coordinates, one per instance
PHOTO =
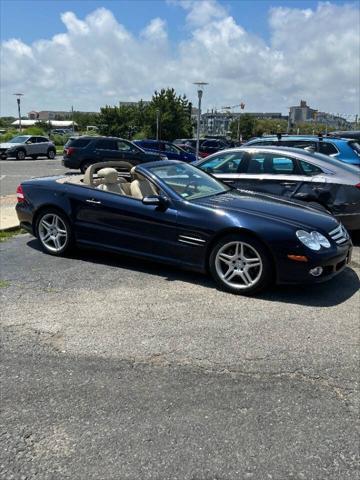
(80, 152)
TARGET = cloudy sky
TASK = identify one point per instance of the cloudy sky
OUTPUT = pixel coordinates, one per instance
(268, 54)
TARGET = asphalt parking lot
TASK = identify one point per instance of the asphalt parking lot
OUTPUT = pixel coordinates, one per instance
(119, 368)
(13, 172)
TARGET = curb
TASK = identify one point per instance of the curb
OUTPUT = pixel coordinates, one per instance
(8, 217)
(10, 229)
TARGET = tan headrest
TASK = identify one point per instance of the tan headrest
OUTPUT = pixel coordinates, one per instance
(135, 175)
(110, 175)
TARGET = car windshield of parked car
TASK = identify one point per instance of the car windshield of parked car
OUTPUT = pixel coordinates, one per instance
(20, 139)
(172, 148)
(189, 182)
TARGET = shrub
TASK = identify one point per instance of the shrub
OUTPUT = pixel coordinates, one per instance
(8, 135)
(35, 131)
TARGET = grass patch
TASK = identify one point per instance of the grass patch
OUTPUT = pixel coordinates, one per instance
(4, 283)
(10, 233)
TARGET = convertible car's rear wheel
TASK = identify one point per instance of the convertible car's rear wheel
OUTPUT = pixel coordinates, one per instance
(54, 232)
(240, 264)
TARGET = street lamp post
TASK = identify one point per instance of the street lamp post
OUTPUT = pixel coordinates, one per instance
(18, 97)
(200, 88)
(157, 123)
(242, 106)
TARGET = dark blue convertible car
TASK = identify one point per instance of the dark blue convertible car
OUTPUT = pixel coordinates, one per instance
(175, 213)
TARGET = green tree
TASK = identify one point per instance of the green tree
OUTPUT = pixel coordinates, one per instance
(174, 115)
(139, 121)
(118, 121)
(310, 128)
(246, 127)
(268, 126)
(83, 119)
(5, 122)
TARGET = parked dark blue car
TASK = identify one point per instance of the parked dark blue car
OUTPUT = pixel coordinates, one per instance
(343, 149)
(173, 152)
(175, 213)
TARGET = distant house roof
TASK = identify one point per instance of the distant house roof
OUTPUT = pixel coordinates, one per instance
(24, 123)
(54, 123)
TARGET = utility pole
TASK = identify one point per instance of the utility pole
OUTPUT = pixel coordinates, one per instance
(200, 88)
(72, 118)
(242, 106)
(18, 98)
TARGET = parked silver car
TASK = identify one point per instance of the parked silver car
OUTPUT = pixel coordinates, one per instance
(321, 181)
(24, 146)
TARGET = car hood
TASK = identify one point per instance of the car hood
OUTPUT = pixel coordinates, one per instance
(297, 214)
(9, 145)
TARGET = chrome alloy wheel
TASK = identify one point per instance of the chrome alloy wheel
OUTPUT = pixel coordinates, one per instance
(53, 232)
(238, 265)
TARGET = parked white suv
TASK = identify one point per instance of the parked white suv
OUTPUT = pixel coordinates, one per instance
(24, 146)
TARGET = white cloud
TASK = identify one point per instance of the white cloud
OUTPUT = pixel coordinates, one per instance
(156, 30)
(201, 13)
(312, 55)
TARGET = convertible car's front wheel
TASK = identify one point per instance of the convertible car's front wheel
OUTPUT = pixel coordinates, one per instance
(54, 232)
(240, 264)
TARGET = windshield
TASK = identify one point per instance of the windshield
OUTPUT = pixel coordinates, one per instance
(189, 182)
(20, 139)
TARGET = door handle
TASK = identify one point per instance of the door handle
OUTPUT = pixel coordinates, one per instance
(93, 201)
(288, 184)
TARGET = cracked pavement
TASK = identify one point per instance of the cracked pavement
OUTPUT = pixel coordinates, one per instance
(115, 368)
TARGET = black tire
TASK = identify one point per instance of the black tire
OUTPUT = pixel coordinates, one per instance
(20, 154)
(51, 153)
(85, 165)
(50, 246)
(264, 273)
(34, 157)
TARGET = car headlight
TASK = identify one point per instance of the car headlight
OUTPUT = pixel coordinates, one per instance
(313, 240)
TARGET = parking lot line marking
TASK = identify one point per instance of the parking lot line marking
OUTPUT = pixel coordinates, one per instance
(2, 177)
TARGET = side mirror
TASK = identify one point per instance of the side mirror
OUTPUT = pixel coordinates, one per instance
(305, 197)
(156, 200)
(29, 142)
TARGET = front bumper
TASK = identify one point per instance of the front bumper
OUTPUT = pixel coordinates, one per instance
(332, 262)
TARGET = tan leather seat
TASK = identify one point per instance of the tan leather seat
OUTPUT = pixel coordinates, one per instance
(140, 187)
(110, 181)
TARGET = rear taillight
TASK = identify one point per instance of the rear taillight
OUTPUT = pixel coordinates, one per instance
(20, 194)
(358, 185)
(69, 151)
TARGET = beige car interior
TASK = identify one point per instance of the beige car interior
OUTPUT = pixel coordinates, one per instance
(139, 187)
(109, 179)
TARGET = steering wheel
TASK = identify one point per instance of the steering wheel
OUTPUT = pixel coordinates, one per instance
(192, 186)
